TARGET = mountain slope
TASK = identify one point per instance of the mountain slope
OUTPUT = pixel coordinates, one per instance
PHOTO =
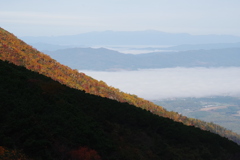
(21, 54)
(47, 120)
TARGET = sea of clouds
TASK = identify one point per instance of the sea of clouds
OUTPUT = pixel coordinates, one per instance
(155, 84)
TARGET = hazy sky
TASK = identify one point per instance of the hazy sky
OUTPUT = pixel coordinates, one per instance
(61, 17)
(153, 84)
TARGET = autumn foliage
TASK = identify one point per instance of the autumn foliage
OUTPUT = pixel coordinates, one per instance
(6, 154)
(19, 53)
(47, 120)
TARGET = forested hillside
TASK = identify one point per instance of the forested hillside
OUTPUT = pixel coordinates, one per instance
(41, 119)
(18, 52)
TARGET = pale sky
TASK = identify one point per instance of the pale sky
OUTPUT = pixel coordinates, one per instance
(67, 17)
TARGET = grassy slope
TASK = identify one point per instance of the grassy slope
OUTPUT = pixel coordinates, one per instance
(21, 54)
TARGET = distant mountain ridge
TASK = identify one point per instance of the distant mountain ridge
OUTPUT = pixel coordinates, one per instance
(149, 37)
(145, 49)
(109, 60)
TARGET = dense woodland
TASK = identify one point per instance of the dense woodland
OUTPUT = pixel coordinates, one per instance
(19, 53)
(43, 119)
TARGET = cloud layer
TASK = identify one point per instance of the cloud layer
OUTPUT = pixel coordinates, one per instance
(155, 84)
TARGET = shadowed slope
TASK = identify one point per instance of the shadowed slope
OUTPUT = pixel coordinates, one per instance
(21, 54)
(47, 120)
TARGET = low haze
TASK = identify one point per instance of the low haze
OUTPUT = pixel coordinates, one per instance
(154, 84)
(60, 17)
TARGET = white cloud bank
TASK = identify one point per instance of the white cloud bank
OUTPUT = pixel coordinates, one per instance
(155, 84)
